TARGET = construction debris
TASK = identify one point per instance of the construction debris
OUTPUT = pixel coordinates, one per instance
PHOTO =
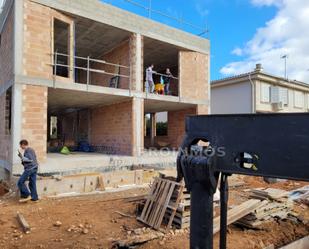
(22, 221)
(275, 204)
(134, 239)
(300, 195)
(238, 212)
(268, 193)
(124, 215)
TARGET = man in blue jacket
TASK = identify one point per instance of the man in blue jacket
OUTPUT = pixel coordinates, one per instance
(30, 163)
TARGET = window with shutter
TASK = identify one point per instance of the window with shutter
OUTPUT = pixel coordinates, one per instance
(275, 94)
(284, 96)
(265, 93)
(298, 99)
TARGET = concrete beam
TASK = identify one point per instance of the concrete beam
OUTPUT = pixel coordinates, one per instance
(116, 17)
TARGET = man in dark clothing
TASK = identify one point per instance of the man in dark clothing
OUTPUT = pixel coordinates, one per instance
(29, 161)
(167, 80)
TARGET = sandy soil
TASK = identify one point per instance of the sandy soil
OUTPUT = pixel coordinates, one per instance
(91, 222)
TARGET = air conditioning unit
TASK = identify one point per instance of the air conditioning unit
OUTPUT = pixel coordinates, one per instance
(278, 106)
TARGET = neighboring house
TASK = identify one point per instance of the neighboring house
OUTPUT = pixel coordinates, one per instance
(258, 92)
(72, 72)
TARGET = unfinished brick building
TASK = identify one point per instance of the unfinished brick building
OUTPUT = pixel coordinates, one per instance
(72, 72)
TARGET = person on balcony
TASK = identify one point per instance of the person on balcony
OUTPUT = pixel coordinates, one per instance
(167, 80)
(150, 86)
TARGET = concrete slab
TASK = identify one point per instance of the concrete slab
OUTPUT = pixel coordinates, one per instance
(61, 99)
(161, 103)
(105, 13)
(77, 163)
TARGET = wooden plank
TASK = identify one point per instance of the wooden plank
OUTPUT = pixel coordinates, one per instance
(22, 221)
(237, 213)
(163, 204)
(175, 209)
(157, 204)
(149, 200)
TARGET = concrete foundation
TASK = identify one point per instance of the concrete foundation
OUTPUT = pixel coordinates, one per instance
(87, 183)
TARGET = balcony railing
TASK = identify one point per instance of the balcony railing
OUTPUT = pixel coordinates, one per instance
(160, 88)
(89, 71)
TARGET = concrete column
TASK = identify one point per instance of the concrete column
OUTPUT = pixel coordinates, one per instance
(16, 121)
(136, 62)
(137, 127)
(18, 36)
(153, 128)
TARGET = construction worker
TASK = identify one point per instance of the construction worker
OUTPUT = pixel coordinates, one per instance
(167, 80)
(29, 161)
(149, 79)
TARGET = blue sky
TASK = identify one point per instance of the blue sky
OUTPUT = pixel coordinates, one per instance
(231, 22)
(243, 32)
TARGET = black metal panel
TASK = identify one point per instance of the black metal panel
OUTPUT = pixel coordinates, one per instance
(278, 143)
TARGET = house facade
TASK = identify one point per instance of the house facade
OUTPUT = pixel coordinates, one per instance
(73, 72)
(258, 92)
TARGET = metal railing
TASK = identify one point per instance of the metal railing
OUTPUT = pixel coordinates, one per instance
(173, 85)
(197, 30)
(89, 68)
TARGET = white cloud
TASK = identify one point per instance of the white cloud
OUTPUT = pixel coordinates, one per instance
(286, 33)
(203, 12)
(237, 51)
(201, 7)
(267, 2)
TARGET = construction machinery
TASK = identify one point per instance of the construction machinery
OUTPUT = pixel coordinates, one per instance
(267, 145)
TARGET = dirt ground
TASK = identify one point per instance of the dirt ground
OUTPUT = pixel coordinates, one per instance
(92, 221)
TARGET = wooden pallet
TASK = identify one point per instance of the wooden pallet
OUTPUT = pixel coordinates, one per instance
(159, 200)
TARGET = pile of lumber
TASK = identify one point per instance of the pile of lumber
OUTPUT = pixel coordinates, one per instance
(275, 204)
(268, 193)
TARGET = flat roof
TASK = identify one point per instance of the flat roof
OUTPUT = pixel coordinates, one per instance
(256, 75)
(105, 13)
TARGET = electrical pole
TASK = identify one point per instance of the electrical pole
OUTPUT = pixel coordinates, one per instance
(285, 57)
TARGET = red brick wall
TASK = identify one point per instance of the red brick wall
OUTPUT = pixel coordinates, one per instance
(34, 118)
(5, 138)
(119, 55)
(111, 127)
(38, 45)
(194, 71)
(176, 125)
(6, 50)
